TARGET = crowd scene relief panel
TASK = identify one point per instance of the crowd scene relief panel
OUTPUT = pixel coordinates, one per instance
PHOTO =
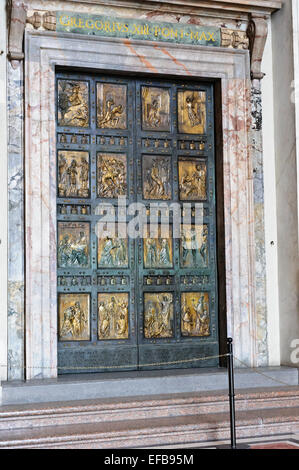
(73, 245)
(195, 319)
(73, 174)
(74, 317)
(111, 175)
(155, 109)
(158, 315)
(113, 317)
(73, 103)
(192, 112)
(111, 106)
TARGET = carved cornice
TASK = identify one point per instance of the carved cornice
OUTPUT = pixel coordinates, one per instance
(245, 6)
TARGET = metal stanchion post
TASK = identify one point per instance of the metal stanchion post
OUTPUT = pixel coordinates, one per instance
(230, 368)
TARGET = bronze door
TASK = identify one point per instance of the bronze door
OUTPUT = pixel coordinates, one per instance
(144, 294)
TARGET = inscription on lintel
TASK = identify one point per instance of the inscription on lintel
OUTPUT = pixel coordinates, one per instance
(99, 25)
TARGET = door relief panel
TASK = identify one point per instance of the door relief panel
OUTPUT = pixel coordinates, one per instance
(74, 314)
(150, 301)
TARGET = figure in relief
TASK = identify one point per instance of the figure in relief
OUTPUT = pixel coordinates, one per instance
(112, 175)
(73, 103)
(113, 253)
(113, 316)
(195, 314)
(73, 245)
(112, 115)
(192, 180)
(158, 315)
(157, 180)
(73, 174)
(195, 116)
(74, 322)
(194, 246)
(153, 118)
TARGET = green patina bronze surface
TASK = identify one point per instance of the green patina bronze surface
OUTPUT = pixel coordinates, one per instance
(98, 25)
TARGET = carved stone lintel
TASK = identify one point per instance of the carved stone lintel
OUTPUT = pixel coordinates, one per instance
(257, 32)
(16, 31)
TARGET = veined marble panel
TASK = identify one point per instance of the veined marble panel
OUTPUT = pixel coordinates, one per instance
(15, 340)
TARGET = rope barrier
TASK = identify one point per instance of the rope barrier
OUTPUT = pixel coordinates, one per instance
(182, 361)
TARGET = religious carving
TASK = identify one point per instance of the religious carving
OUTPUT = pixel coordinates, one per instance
(158, 315)
(155, 109)
(74, 313)
(235, 39)
(195, 318)
(111, 106)
(112, 175)
(112, 252)
(156, 177)
(192, 180)
(157, 248)
(113, 318)
(73, 244)
(73, 174)
(194, 246)
(73, 108)
(192, 112)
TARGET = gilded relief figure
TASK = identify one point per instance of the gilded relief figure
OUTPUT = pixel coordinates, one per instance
(155, 109)
(74, 317)
(192, 180)
(73, 103)
(112, 175)
(194, 246)
(111, 106)
(73, 244)
(73, 174)
(192, 112)
(158, 315)
(113, 252)
(195, 318)
(157, 251)
(113, 316)
(156, 177)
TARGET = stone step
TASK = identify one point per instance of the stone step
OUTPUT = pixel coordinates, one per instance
(142, 408)
(154, 432)
(142, 383)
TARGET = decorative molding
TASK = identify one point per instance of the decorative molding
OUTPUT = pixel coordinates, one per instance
(17, 20)
(35, 20)
(257, 32)
(47, 21)
(190, 6)
(234, 39)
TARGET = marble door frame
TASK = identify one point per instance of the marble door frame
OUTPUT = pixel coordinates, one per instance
(46, 50)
